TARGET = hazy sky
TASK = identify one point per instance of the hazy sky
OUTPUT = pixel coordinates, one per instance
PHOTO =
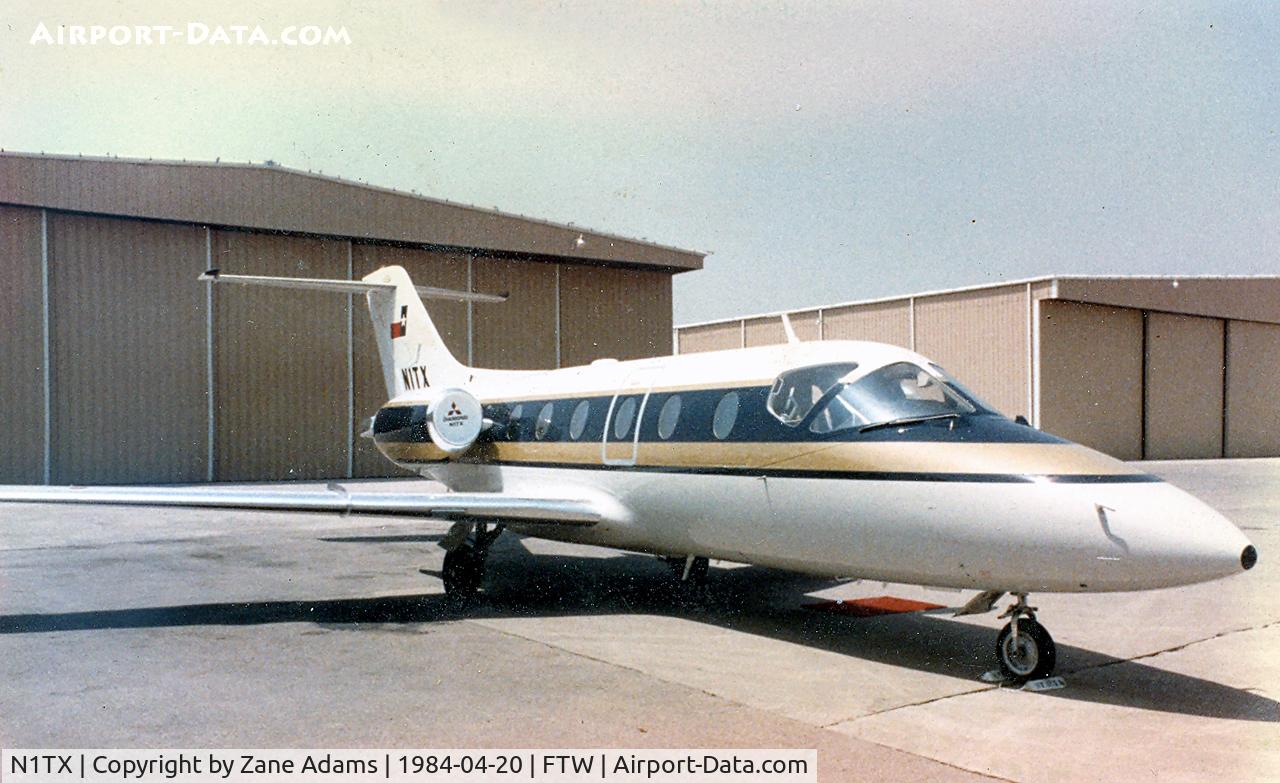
(821, 152)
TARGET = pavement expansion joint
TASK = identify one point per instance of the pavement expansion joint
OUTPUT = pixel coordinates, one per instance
(979, 772)
(1177, 647)
(896, 707)
(721, 697)
(605, 661)
(1002, 686)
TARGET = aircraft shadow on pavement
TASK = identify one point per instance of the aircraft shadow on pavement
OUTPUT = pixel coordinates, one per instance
(751, 600)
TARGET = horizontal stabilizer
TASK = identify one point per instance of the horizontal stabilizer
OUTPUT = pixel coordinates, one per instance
(485, 505)
(347, 286)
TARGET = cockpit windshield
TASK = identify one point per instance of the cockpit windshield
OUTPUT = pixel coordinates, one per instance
(897, 392)
(795, 392)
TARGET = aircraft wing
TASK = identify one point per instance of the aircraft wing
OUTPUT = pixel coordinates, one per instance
(334, 498)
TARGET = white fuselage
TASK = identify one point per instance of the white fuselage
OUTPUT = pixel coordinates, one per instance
(990, 536)
(1011, 515)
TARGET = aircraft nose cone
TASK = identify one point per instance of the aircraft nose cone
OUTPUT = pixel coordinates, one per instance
(1169, 538)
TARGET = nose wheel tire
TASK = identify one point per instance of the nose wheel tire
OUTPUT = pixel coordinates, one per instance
(1028, 655)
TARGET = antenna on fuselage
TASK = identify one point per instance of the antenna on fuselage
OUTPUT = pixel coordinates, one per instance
(786, 327)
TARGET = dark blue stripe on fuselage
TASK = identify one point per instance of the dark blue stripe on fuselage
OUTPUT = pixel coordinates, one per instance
(516, 422)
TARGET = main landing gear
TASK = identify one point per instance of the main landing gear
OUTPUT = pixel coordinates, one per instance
(690, 574)
(1024, 648)
(689, 570)
(467, 548)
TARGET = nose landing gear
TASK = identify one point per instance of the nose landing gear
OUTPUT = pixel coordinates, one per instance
(1024, 648)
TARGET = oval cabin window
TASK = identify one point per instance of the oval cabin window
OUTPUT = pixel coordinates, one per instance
(579, 421)
(623, 417)
(669, 416)
(726, 415)
(543, 427)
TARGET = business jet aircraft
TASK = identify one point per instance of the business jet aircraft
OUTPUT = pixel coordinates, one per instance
(833, 458)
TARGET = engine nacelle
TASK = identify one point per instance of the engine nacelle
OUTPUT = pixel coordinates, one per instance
(454, 420)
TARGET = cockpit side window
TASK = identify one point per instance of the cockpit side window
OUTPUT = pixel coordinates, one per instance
(897, 391)
(965, 391)
(795, 392)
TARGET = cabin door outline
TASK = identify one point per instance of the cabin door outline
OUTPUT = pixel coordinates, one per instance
(635, 391)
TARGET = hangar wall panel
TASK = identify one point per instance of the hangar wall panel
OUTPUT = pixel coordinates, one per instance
(21, 346)
(425, 267)
(613, 312)
(1253, 356)
(1247, 299)
(981, 338)
(520, 333)
(127, 337)
(280, 366)
(806, 325)
(1091, 376)
(882, 322)
(711, 337)
(765, 331)
(768, 330)
(1184, 387)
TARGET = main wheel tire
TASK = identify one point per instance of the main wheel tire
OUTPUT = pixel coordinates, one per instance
(1034, 655)
(463, 572)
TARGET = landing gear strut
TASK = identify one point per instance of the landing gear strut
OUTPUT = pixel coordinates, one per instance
(1024, 648)
(689, 570)
(464, 564)
(690, 574)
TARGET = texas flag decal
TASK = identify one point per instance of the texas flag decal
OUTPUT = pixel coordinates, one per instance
(398, 327)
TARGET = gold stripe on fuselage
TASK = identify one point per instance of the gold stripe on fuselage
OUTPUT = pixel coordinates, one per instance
(888, 457)
(1055, 459)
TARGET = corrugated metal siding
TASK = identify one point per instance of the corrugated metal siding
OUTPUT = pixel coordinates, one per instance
(520, 333)
(611, 312)
(425, 267)
(1184, 387)
(280, 362)
(711, 337)
(1091, 376)
(765, 331)
(769, 330)
(1253, 375)
(806, 325)
(127, 330)
(981, 338)
(281, 199)
(21, 347)
(885, 322)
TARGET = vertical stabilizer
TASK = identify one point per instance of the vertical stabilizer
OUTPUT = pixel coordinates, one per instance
(412, 352)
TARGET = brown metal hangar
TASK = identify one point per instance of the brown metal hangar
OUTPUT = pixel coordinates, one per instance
(1137, 367)
(119, 367)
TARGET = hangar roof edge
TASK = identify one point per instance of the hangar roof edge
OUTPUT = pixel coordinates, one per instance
(273, 197)
(1135, 291)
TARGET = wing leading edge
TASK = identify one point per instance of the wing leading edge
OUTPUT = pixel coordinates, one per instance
(334, 499)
